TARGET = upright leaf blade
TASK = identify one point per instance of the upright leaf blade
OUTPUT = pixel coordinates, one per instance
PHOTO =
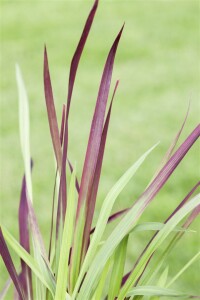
(92, 153)
(52, 118)
(72, 76)
(118, 269)
(24, 129)
(93, 192)
(63, 268)
(97, 127)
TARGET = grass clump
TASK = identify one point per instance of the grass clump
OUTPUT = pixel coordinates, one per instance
(81, 263)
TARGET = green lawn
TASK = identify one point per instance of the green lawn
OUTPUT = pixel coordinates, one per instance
(158, 67)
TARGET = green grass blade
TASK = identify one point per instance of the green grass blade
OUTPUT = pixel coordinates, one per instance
(118, 269)
(154, 291)
(29, 260)
(24, 129)
(77, 247)
(156, 226)
(102, 221)
(63, 269)
(99, 290)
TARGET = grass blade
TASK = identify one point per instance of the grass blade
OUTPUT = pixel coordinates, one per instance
(97, 126)
(92, 153)
(155, 291)
(94, 189)
(167, 170)
(24, 129)
(72, 76)
(99, 289)
(10, 266)
(118, 269)
(25, 276)
(52, 118)
(62, 277)
(104, 215)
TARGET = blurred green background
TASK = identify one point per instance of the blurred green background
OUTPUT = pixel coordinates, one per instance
(158, 67)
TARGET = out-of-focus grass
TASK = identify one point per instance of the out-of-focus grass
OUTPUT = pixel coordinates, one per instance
(158, 67)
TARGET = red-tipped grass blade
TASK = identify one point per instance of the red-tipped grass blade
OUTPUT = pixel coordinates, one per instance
(90, 205)
(52, 118)
(72, 76)
(91, 158)
(97, 127)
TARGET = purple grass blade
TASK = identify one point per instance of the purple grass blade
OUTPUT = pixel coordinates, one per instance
(170, 166)
(91, 200)
(10, 266)
(97, 127)
(24, 237)
(78, 53)
(53, 124)
(72, 76)
(145, 249)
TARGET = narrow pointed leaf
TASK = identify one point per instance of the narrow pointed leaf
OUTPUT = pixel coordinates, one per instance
(24, 129)
(97, 126)
(93, 192)
(52, 118)
(78, 53)
(92, 152)
(72, 76)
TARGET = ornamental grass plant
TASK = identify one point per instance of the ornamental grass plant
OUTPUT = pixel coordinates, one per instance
(82, 262)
